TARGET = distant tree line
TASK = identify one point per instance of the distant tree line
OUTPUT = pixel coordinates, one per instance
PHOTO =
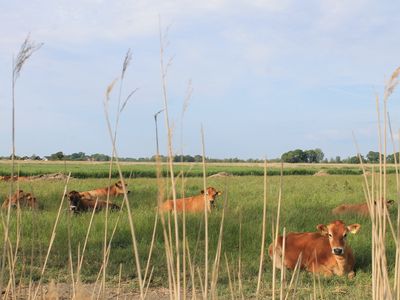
(294, 156)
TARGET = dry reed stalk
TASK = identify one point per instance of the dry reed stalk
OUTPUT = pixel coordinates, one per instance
(215, 269)
(283, 268)
(205, 216)
(275, 236)
(71, 267)
(148, 284)
(151, 249)
(229, 277)
(201, 282)
(131, 225)
(184, 108)
(81, 256)
(27, 48)
(191, 270)
(260, 269)
(12, 257)
(239, 273)
(119, 281)
(396, 283)
(295, 271)
(164, 71)
(120, 108)
(53, 235)
(379, 214)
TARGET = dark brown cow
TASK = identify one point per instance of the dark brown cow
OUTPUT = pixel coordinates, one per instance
(359, 209)
(194, 203)
(114, 190)
(22, 199)
(78, 203)
(324, 252)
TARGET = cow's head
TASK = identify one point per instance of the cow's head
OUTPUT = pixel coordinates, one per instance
(30, 200)
(337, 232)
(211, 194)
(120, 189)
(74, 198)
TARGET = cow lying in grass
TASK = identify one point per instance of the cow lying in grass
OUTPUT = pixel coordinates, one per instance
(359, 209)
(78, 203)
(325, 252)
(22, 199)
(194, 203)
(114, 190)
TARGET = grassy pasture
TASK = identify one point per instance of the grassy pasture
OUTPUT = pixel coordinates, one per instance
(148, 170)
(306, 202)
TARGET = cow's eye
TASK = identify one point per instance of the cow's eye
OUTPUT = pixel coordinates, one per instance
(330, 235)
(344, 235)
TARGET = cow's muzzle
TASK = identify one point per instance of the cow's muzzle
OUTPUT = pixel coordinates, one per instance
(338, 251)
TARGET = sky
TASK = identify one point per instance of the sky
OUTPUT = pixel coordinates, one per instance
(267, 76)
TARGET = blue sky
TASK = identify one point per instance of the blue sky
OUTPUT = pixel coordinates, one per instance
(267, 76)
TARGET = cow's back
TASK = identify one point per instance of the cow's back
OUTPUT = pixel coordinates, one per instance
(311, 245)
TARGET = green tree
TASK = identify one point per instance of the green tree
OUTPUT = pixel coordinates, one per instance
(57, 156)
(373, 157)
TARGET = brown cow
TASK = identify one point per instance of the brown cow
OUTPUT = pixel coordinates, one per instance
(323, 252)
(78, 203)
(194, 203)
(22, 199)
(359, 208)
(114, 190)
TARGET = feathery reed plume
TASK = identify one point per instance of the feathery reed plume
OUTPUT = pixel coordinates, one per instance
(164, 71)
(131, 225)
(392, 83)
(379, 215)
(27, 48)
(125, 64)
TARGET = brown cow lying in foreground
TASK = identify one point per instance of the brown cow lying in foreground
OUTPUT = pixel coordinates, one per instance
(78, 203)
(114, 190)
(194, 203)
(323, 252)
(22, 199)
(360, 208)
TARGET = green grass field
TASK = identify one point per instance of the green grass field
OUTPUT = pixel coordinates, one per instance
(306, 202)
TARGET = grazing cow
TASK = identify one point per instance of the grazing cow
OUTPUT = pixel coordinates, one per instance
(116, 189)
(22, 199)
(324, 252)
(359, 209)
(194, 203)
(78, 203)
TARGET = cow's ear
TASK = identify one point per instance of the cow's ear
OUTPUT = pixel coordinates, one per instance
(202, 191)
(322, 229)
(219, 193)
(390, 202)
(354, 228)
